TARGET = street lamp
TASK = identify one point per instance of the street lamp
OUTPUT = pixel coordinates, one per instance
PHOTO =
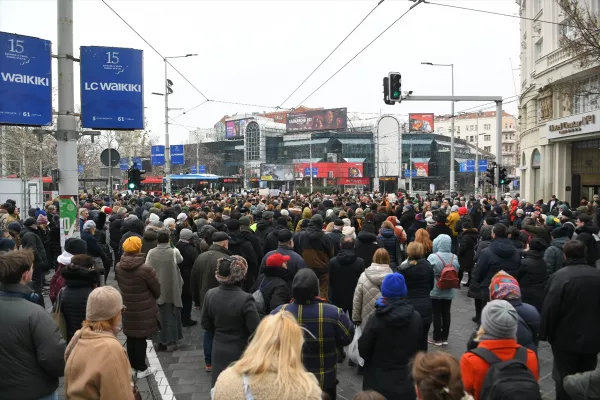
(168, 91)
(452, 171)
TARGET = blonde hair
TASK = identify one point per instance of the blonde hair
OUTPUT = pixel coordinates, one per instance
(109, 325)
(387, 225)
(415, 251)
(277, 347)
(381, 256)
(329, 227)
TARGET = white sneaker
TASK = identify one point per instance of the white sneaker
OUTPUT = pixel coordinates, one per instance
(142, 374)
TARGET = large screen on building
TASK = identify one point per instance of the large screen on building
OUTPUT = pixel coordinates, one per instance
(420, 123)
(235, 129)
(276, 172)
(329, 170)
(317, 120)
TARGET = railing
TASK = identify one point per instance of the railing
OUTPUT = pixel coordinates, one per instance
(557, 56)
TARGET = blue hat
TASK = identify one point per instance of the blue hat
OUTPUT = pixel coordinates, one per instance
(393, 285)
(39, 212)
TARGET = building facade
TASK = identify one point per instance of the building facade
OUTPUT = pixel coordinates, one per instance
(559, 115)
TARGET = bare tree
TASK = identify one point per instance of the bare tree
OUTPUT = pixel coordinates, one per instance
(580, 33)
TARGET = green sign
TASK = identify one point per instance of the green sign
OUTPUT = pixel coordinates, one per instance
(68, 218)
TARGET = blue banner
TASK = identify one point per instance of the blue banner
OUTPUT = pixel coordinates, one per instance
(193, 169)
(124, 164)
(470, 162)
(462, 167)
(177, 154)
(25, 80)
(80, 169)
(483, 165)
(112, 94)
(202, 169)
(158, 155)
(137, 161)
(315, 171)
(407, 172)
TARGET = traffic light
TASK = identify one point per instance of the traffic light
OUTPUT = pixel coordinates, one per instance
(386, 91)
(395, 86)
(134, 178)
(489, 176)
(504, 179)
(169, 86)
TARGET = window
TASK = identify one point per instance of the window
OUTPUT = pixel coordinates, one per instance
(539, 49)
(587, 98)
(505, 125)
(473, 127)
(487, 127)
(471, 138)
(458, 129)
(488, 149)
(467, 128)
(567, 30)
(487, 138)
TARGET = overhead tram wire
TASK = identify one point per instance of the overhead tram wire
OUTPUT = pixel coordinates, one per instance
(362, 50)
(330, 54)
(227, 102)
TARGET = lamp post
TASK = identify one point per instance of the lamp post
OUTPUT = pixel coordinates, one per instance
(452, 171)
(479, 113)
(168, 91)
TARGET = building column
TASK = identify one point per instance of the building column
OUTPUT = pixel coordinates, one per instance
(562, 170)
(547, 174)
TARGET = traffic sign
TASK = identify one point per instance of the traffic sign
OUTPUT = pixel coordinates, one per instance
(408, 173)
(177, 157)
(483, 165)
(112, 94)
(124, 164)
(193, 169)
(202, 169)
(158, 155)
(25, 80)
(315, 171)
(80, 169)
(137, 161)
(114, 157)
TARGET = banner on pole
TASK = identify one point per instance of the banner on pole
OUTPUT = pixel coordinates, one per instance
(124, 164)
(158, 155)
(177, 157)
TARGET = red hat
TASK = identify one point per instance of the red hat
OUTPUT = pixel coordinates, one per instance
(106, 210)
(462, 211)
(277, 260)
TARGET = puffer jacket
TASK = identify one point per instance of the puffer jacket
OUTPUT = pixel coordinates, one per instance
(441, 249)
(554, 255)
(500, 255)
(391, 244)
(451, 222)
(368, 290)
(419, 282)
(366, 246)
(79, 283)
(140, 288)
(306, 214)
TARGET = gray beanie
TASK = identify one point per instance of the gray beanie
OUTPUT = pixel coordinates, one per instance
(185, 234)
(499, 320)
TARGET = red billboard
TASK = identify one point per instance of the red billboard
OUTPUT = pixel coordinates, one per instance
(420, 123)
(422, 168)
(353, 181)
(329, 170)
(317, 120)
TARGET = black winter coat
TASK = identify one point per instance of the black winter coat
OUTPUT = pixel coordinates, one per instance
(93, 247)
(189, 253)
(272, 241)
(392, 245)
(440, 229)
(336, 239)
(474, 291)
(254, 241)
(569, 316)
(390, 339)
(532, 277)
(240, 246)
(263, 228)
(585, 235)
(410, 233)
(407, 218)
(500, 255)
(466, 249)
(131, 227)
(79, 283)
(366, 245)
(419, 282)
(380, 218)
(116, 223)
(274, 288)
(344, 271)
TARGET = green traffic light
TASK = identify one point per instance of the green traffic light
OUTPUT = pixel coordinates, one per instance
(132, 185)
(396, 95)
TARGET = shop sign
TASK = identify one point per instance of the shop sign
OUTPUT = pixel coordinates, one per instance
(568, 126)
(388, 178)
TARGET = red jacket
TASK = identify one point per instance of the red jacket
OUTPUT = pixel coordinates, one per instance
(473, 368)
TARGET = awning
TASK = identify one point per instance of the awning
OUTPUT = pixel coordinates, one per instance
(408, 142)
(355, 141)
(420, 159)
(195, 176)
(305, 160)
(359, 160)
(304, 142)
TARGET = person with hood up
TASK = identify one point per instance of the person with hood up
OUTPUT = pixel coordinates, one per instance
(239, 245)
(336, 235)
(286, 248)
(368, 288)
(140, 288)
(387, 359)
(418, 276)
(328, 329)
(96, 363)
(306, 214)
(499, 255)
(115, 223)
(150, 236)
(391, 244)
(437, 377)
(264, 227)
(344, 271)
(497, 334)
(369, 223)
(554, 256)
(230, 313)
(31, 240)
(271, 241)
(366, 246)
(249, 235)
(533, 273)
(132, 226)
(271, 282)
(317, 249)
(441, 299)
(585, 233)
(188, 251)
(466, 250)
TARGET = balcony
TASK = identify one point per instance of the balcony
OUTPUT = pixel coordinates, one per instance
(557, 56)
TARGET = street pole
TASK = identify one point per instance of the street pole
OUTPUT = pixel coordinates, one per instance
(197, 152)
(109, 181)
(66, 134)
(167, 148)
(452, 171)
(3, 136)
(477, 158)
(410, 169)
(310, 171)
(498, 147)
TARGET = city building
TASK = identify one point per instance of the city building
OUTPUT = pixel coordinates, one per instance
(483, 124)
(559, 114)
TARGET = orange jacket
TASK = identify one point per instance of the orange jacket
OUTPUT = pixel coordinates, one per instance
(473, 368)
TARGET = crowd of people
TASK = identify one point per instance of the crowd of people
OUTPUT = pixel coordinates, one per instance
(287, 286)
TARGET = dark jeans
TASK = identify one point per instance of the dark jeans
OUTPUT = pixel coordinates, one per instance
(441, 319)
(423, 340)
(186, 310)
(136, 351)
(569, 363)
(208, 344)
(478, 308)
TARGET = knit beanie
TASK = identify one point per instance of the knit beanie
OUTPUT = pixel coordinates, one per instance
(103, 304)
(185, 234)
(153, 218)
(499, 320)
(317, 219)
(75, 246)
(504, 286)
(133, 244)
(393, 285)
(42, 220)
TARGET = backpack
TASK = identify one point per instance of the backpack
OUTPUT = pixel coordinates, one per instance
(259, 299)
(449, 277)
(509, 379)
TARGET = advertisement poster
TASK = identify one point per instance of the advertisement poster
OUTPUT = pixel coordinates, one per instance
(420, 123)
(112, 88)
(422, 168)
(276, 172)
(235, 129)
(317, 120)
(330, 170)
(68, 218)
(25, 80)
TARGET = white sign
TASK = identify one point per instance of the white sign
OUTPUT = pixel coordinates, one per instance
(574, 125)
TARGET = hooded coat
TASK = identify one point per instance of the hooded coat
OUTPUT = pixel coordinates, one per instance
(140, 288)
(533, 276)
(79, 283)
(585, 234)
(149, 239)
(368, 290)
(500, 255)
(442, 255)
(419, 282)
(263, 228)
(344, 271)
(390, 339)
(366, 246)
(348, 230)
(114, 228)
(392, 245)
(273, 287)
(131, 227)
(306, 214)
(315, 247)
(466, 249)
(203, 272)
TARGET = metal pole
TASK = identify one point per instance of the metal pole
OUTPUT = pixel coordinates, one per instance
(167, 148)
(197, 152)
(410, 169)
(4, 168)
(498, 146)
(452, 172)
(66, 121)
(109, 181)
(41, 190)
(477, 158)
(310, 171)
(399, 155)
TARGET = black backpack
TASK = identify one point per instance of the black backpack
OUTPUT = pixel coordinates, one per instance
(508, 380)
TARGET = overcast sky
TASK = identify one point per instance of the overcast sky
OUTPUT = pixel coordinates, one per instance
(257, 52)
